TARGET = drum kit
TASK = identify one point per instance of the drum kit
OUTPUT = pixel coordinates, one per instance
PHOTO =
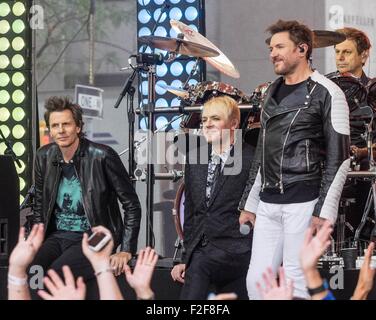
(191, 43)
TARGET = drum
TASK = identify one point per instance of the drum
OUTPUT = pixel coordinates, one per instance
(252, 126)
(371, 94)
(355, 92)
(178, 211)
(202, 92)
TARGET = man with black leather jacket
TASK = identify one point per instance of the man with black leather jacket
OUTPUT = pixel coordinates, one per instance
(301, 161)
(77, 186)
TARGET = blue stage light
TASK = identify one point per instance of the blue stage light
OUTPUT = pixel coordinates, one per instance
(191, 13)
(176, 69)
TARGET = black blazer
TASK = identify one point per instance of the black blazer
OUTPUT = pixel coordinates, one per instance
(219, 221)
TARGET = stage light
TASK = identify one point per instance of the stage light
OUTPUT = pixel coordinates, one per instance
(191, 13)
(175, 102)
(162, 70)
(18, 9)
(144, 32)
(16, 83)
(160, 32)
(159, 2)
(18, 61)
(18, 114)
(4, 26)
(176, 123)
(4, 9)
(161, 103)
(143, 2)
(177, 84)
(4, 114)
(4, 61)
(4, 79)
(175, 13)
(144, 16)
(18, 26)
(157, 14)
(18, 44)
(176, 69)
(18, 131)
(18, 79)
(159, 89)
(161, 122)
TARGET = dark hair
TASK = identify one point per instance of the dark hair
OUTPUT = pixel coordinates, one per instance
(58, 104)
(299, 33)
(359, 37)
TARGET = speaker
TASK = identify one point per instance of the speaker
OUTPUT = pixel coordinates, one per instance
(9, 208)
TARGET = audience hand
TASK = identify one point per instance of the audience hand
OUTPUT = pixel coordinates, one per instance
(63, 290)
(26, 249)
(314, 246)
(101, 259)
(142, 274)
(274, 291)
(366, 276)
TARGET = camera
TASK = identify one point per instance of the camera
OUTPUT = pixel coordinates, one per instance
(98, 240)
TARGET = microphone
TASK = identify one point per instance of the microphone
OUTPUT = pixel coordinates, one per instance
(245, 228)
(149, 58)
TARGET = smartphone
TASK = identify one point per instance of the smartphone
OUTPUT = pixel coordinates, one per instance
(98, 240)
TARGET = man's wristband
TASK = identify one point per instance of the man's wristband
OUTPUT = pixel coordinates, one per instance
(324, 286)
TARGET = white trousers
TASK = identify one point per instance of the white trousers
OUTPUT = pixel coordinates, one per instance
(277, 238)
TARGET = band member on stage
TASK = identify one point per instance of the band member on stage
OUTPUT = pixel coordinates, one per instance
(351, 56)
(217, 251)
(77, 186)
(301, 160)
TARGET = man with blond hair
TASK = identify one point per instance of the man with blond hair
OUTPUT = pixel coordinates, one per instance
(216, 252)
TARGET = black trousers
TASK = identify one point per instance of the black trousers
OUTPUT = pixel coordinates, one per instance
(212, 268)
(57, 252)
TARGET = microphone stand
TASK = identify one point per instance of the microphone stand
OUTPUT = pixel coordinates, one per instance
(9, 150)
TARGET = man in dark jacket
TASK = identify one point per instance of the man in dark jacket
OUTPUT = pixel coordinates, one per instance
(77, 186)
(216, 252)
(301, 161)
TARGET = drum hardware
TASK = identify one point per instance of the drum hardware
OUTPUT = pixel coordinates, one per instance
(173, 175)
(178, 216)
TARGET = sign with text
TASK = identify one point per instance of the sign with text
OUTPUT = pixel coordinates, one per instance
(91, 100)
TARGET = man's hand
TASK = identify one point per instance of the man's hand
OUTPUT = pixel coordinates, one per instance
(317, 223)
(178, 273)
(246, 216)
(119, 260)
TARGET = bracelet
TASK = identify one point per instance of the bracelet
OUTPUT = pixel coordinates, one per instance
(324, 286)
(16, 280)
(107, 269)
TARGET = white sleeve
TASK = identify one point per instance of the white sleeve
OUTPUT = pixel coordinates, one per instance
(254, 195)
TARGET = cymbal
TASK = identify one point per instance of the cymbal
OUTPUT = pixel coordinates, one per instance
(220, 62)
(324, 38)
(174, 90)
(178, 46)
